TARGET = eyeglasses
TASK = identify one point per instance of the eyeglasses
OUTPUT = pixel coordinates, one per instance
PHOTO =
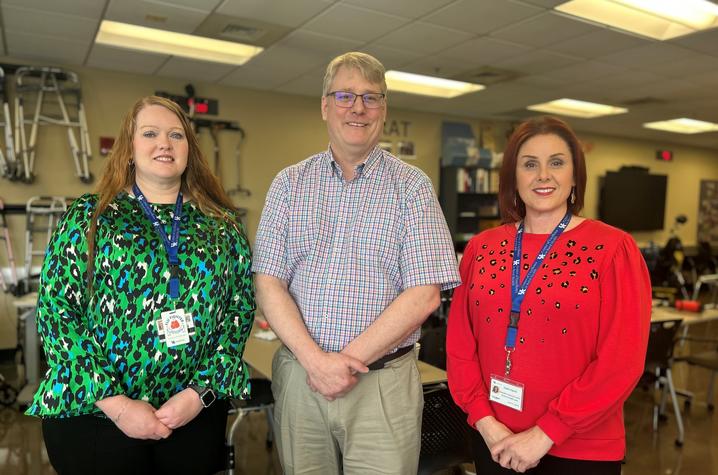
(371, 100)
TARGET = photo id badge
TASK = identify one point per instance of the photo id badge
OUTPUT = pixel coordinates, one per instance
(175, 327)
(506, 392)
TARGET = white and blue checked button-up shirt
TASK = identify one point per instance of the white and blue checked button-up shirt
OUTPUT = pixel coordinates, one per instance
(347, 249)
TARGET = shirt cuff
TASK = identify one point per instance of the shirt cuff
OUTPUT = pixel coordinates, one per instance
(557, 431)
(478, 410)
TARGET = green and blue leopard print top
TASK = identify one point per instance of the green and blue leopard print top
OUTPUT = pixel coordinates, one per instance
(106, 344)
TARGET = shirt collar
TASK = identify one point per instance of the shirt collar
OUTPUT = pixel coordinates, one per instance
(364, 169)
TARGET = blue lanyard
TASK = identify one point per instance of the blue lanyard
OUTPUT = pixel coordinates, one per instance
(172, 243)
(519, 292)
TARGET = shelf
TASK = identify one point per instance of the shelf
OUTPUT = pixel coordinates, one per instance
(472, 193)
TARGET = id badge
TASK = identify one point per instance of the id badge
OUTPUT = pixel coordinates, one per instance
(175, 327)
(506, 392)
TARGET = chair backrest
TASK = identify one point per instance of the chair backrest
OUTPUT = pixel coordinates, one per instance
(433, 346)
(443, 426)
(660, 342)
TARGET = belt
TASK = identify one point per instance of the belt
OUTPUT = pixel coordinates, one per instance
(381, 362)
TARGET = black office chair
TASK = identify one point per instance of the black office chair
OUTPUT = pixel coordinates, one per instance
(659, 358)
(444, 433)
(704, 359)
(261, 399)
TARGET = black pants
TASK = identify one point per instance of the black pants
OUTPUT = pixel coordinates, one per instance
(549, 465)
(93, 445)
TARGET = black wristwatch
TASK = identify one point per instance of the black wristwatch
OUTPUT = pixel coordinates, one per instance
(206, 395)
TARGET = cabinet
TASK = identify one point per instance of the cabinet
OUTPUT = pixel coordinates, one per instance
(469, 199)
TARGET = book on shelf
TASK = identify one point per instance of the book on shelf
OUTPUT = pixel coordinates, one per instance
(476, 180)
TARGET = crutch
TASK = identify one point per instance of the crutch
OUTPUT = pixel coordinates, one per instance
(12, 286)
(42, 214)
(8, 163)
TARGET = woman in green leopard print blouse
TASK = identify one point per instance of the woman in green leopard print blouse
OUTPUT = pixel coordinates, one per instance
(133, 367)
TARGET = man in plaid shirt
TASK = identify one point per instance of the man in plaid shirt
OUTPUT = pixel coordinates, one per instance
(351, 253)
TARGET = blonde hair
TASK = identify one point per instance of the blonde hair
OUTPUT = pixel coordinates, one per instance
(198, 181)
(370, 68)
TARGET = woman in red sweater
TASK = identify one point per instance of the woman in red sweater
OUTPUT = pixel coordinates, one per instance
(547, 334)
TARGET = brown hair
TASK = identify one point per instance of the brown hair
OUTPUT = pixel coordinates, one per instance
(370, 68)
(198, 181)
(511, 206)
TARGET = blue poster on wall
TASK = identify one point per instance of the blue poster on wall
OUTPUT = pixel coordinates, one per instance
(459, 147)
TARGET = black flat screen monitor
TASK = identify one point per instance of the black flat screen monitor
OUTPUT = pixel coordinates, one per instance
(633, 200)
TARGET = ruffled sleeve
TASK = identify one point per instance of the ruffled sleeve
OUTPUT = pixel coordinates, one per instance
(223, 369)
(79, 373)
(462, 361)
(624, 320)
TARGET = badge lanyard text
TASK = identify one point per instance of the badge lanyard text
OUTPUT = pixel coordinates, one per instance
(171, 243)
(519, 292)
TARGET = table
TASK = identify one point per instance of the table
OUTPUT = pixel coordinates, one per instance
(259, 353)
(660, 314)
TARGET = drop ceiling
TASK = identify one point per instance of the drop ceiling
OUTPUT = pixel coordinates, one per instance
(543, 55)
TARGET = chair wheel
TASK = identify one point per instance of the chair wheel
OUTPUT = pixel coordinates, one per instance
(679, 443)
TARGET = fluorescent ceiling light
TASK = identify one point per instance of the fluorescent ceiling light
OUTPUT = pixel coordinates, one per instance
(574, 108)
(428, 85)
(124, 35)
(683, 126)
(658, 19)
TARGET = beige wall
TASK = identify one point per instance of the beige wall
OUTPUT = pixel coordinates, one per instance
(283, 129)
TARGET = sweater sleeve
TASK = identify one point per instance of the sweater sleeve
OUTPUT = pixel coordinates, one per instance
(223, 369)
(462, 360)
(624, 320)
(79, 373)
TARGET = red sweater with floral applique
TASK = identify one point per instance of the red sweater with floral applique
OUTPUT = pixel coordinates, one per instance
(581, 340)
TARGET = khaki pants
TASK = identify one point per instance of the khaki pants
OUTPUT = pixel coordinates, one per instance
(374, 429)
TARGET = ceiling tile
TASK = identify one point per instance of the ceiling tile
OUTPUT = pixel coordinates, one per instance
(598, 43)
(324, 47)
(423, 38)
(437, 65)
(83, 8)
(692, 64)
(193, 70)
(155, 15)
(254, 78)
(705, 79)
(206, 6)
(705, 41)
(36, 22)
(652, 53)
(545, 3)
(51, 49)
(543, 30)
(667, 90)
(389, 57)
(309, 84)
(609, 87)
(583, 71)
(403, 8)
(535, 62)
(481, 16)
(116, 59)
(484, 51)
(353, 23)
(291, 13)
